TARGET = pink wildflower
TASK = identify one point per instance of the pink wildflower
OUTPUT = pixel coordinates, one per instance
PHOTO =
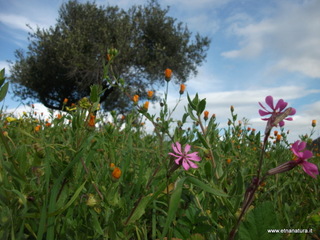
(276, 111)
(301, 157)
(183, 157)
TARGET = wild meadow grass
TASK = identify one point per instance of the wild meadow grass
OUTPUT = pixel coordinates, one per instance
(77, 176)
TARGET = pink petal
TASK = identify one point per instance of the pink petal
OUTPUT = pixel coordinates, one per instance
(294, 148)
(263, 113)
(177, 147)
(193, 165)
(293, 111)
(310, 169)
(185, 165)
(193, 156)
(281, 123)
(178, 161)
(307, 154)
(262, 106)
(269, 101)
(302, 146)
(281, 105)
(187, 148)
(289, 119)
(172, 154)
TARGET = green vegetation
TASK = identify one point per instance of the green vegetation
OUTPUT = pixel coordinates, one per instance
(77, 175)
(66, 59)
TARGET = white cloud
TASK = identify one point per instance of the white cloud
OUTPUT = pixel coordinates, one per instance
(292, 36)
(16, 21)
(4, 64)
(246, 106)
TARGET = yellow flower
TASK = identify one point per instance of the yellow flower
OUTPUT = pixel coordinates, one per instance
(182, 88)
(116, 173)
(167, 74)
(150, 94)
(135, 99)
(11, 119)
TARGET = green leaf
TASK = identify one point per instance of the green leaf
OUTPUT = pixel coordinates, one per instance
(201, 106)
(203, 141)
(258, 221)
(3, 91)
(140, 210)
(205, 186)
(2, 77)
(173, 205)
(191, 114)
(191, 104)
(74, 197)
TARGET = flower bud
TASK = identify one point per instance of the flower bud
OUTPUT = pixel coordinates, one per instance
(287, 166)
(146, 105)
(182, 88)
(116, 173)
(92, 201)
(314, 123)
(206, 114)
(168, 74)
(150, 94)
(135, 99)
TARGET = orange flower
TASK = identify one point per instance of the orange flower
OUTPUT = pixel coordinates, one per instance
(135, 99)
(182, 88)
(109, 57)
(167, 74)
(65, 101)
(112, 166)
(278, 137)
(229, 160)
(37, 128)
(314, 123)
(146, 105)
(275, 133)
(206, 114)
(48, 124)
(91, 121)
(59, 116)
(150, 94)
(116, 173)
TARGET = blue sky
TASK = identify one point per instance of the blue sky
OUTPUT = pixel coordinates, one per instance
(258, 48)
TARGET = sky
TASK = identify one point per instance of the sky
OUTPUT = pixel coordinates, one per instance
(258, 48)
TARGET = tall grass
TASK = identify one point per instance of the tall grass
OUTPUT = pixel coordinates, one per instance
(64, 178)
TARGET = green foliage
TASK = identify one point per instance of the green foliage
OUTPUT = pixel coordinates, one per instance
(66, 59)
(4, 88)
(258, 221)
(81, 175)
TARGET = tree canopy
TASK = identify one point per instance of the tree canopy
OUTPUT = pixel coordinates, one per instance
(65, 59)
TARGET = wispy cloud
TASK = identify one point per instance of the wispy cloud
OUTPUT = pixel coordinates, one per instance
(291, 35)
